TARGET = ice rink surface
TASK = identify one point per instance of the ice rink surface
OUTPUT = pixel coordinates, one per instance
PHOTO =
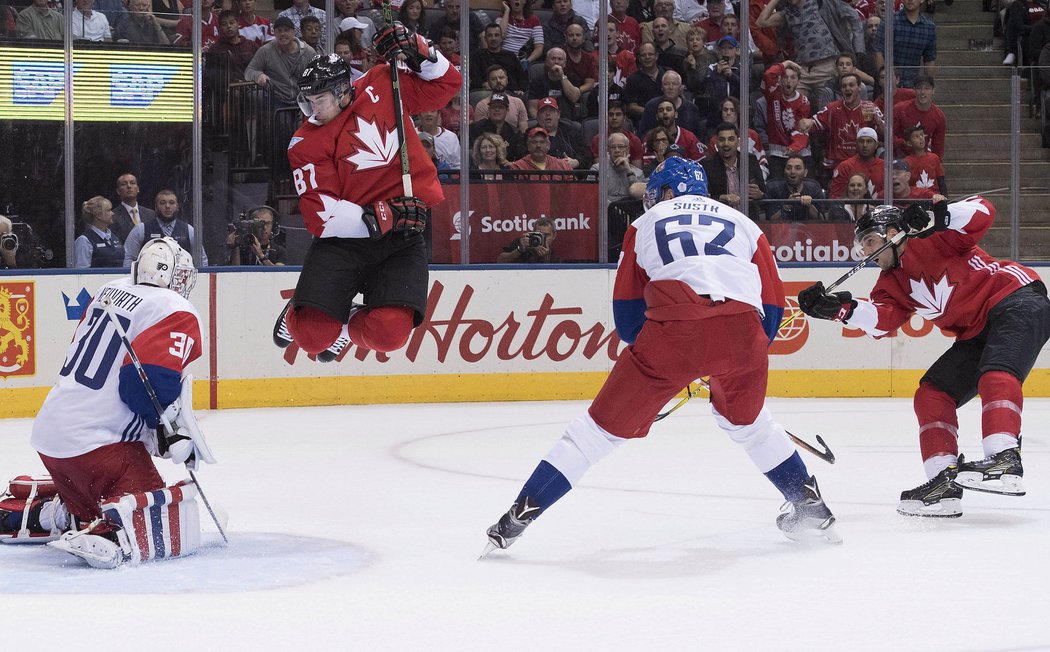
(358, 528)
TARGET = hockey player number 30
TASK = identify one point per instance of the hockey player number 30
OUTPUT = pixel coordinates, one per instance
(714, 246)
(91, 367)
(305, 178)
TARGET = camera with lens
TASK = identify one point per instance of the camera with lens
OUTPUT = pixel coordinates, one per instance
(247, 231)
(8, 242)
(535, 239)
(30, 250)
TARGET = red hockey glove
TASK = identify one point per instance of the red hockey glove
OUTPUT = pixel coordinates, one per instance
(400, 215)
(815, 301)
(398, 40)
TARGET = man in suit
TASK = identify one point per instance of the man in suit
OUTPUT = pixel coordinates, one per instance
(127, 213)
(722, 170)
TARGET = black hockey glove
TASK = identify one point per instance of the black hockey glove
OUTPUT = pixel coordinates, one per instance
(923, 222)
(815, 301)
(399, 215)
(399, 40)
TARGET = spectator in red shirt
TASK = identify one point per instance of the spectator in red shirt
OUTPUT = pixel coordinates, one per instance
(863, 161)
(902, 188)
(921, 111)
(628, 31)
(841, 119)
(617, 114)
(899, 94)
(716, 10)
(209, 27)
(667, 117)
(239, 49)
(539, 144)
(581, 67)
(926, 168)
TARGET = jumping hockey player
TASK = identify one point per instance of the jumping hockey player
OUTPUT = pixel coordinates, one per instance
(999, 314)
(367, 233)
(105, 502)
(697, 293)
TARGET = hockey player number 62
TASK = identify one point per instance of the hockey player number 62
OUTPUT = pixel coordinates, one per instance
(305, 178)
(714, 246)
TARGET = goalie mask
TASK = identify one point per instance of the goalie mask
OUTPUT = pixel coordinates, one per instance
(681, 176)
(164, 264)
(325, 74)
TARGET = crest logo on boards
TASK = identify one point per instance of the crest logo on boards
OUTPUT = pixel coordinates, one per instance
(17, 329)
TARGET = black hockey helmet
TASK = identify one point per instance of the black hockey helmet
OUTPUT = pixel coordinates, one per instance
(874, 224)
(325, 73)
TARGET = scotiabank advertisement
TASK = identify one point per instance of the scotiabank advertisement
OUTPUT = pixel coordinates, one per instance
(488, 335)
(811, 242)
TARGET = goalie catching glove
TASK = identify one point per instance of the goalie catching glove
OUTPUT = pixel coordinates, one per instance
(923, 222)
(400, 215)
(817, 302)
(399, 41)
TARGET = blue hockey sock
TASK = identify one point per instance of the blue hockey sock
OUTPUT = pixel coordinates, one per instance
(788, 477)
(545, 486)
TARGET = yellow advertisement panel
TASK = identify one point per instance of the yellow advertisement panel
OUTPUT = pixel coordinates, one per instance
(108, 85)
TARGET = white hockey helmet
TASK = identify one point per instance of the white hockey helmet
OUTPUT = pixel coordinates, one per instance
(163, 263)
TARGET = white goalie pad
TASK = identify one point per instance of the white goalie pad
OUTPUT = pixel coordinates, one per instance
(151, 525)
(186, 444)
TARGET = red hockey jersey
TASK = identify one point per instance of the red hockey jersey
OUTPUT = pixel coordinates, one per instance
(783, 116)
(945, 278)
(354, 159)
(934, 124)
(841, 123)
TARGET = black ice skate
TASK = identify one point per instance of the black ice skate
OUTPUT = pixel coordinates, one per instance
(333, 351)
(808, 519)
(511, 525)
(281, 337)
(938, 498)
(999, 474)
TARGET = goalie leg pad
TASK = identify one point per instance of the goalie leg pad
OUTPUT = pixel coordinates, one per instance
(98, 550)
(156, 524)
(31, 512)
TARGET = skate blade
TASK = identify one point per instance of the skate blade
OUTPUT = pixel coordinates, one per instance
(822, 533)
(1006, 485)
(946, 508)
(32, 539)
(489, 547)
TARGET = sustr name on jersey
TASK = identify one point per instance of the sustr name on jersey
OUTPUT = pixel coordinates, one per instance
(699, 206)
(120, 298)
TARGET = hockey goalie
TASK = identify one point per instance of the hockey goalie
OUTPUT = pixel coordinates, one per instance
(102, 423)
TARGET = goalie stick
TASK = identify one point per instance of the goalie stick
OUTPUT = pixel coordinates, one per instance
(825, 454)
(107, 305)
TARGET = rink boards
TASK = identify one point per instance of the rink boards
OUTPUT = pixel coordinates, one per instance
(490, 335)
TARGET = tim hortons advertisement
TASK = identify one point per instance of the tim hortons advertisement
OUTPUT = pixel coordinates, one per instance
(501, 212)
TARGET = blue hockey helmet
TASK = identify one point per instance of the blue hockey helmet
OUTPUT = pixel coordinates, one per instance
(681, 176)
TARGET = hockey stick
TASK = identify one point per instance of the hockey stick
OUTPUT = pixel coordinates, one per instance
(107, 305)
(825, 454)
(399, 115)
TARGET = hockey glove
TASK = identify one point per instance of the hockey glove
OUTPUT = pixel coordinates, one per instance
(815, 301)
(400, 215)
(923, 222)
(397, 41)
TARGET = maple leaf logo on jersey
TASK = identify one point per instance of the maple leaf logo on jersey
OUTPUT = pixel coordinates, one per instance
(377, 150)
(925, 181)
(788, 118)
(848, 133)
(932, 299)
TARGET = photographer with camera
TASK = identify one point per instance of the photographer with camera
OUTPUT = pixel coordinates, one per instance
(8, 244)
(534, 246)
(251, 239)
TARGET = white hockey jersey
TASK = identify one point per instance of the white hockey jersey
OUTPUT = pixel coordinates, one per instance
(99, 398)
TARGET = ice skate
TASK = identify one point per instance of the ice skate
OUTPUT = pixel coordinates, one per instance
(281, 337)
(999, 474)
(99, 551)
(938, 498)
(809, 519)
(333, 351)
(511, 526)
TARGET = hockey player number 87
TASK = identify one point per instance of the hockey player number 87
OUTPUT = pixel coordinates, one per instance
(304, 178)
(86, 358)
(713, 247)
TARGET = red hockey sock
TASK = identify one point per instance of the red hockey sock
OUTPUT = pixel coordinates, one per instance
(938, 423)
(312, 329)
(1002, 400)
(383, 329)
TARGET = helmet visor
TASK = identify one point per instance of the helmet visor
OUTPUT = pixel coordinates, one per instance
(868, 241)
(324, 105)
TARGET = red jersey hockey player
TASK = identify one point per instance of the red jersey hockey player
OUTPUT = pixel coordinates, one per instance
(999, 314)
(692, 270)
(367, 234)
(95, 432)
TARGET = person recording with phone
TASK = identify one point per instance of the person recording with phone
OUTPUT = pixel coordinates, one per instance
(535, 246)
(8, 244)
(251, 239)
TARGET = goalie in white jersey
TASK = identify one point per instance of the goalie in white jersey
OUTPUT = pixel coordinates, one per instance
(697, 294)
(97, 430)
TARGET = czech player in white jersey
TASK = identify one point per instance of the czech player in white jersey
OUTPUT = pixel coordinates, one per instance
(697, 294)
(97, 430)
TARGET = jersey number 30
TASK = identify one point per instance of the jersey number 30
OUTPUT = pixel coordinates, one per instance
(713, 246)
